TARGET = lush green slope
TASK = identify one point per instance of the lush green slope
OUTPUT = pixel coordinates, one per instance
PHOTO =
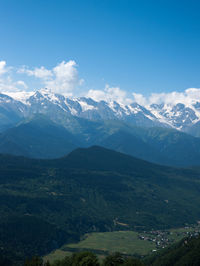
(91, 189)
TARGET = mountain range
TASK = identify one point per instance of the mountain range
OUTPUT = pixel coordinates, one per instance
(59, 108)
(75, 171)
(47, 125)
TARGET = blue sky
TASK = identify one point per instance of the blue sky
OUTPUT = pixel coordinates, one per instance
(140, 46)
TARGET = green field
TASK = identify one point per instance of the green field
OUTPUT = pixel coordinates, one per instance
(125, 242)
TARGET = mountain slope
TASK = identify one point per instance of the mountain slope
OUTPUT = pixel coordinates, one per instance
(93, 189)
(37, 137)
(184, 253)
(180, 148)
(128, 143)
(11, 111)
(159, 145)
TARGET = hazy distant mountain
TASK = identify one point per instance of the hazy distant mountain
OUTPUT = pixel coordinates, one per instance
(38, 137)
(177, 148)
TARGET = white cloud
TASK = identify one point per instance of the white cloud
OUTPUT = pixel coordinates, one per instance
(7, 84)
(63, 78)
(41, 72)
(139, 98)
(187, 97)
(109, 94)
(22, 84)
(97, 95)
(3, 67)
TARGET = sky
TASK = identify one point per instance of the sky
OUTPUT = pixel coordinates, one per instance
(105, 49)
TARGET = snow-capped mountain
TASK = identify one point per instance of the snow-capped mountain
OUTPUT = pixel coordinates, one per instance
(178, 116)
(11, 111)
(59, 107)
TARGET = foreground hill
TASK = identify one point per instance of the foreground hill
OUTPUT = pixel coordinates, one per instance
(45, 203)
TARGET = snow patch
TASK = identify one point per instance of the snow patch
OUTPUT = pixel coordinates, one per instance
(85, 106)
(21, 96)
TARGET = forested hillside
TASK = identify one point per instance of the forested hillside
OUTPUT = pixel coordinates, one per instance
(45, 203)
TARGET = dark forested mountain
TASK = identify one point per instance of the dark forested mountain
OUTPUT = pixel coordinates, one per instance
(45, 203)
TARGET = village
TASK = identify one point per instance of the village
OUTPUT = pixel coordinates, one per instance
(163, 238)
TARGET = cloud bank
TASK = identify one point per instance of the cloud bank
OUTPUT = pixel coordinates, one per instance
(110, 94)
(3, 68)
(7, 84)
(64, 79)
(187, 97)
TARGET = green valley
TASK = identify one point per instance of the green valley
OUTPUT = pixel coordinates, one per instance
(48, 203)
(130, 243)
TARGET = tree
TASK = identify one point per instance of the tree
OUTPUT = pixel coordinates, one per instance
(67, 261)
(85, 258)
(133, 262)
(34, 261)
(47, 263)
(114, 260)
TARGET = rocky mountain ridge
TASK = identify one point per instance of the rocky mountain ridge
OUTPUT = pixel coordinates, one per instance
(58, 107)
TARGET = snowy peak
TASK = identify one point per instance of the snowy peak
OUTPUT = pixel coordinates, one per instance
(9, 104)
(55, 105)
(5, 98)
(178, 116)
(44, 100)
